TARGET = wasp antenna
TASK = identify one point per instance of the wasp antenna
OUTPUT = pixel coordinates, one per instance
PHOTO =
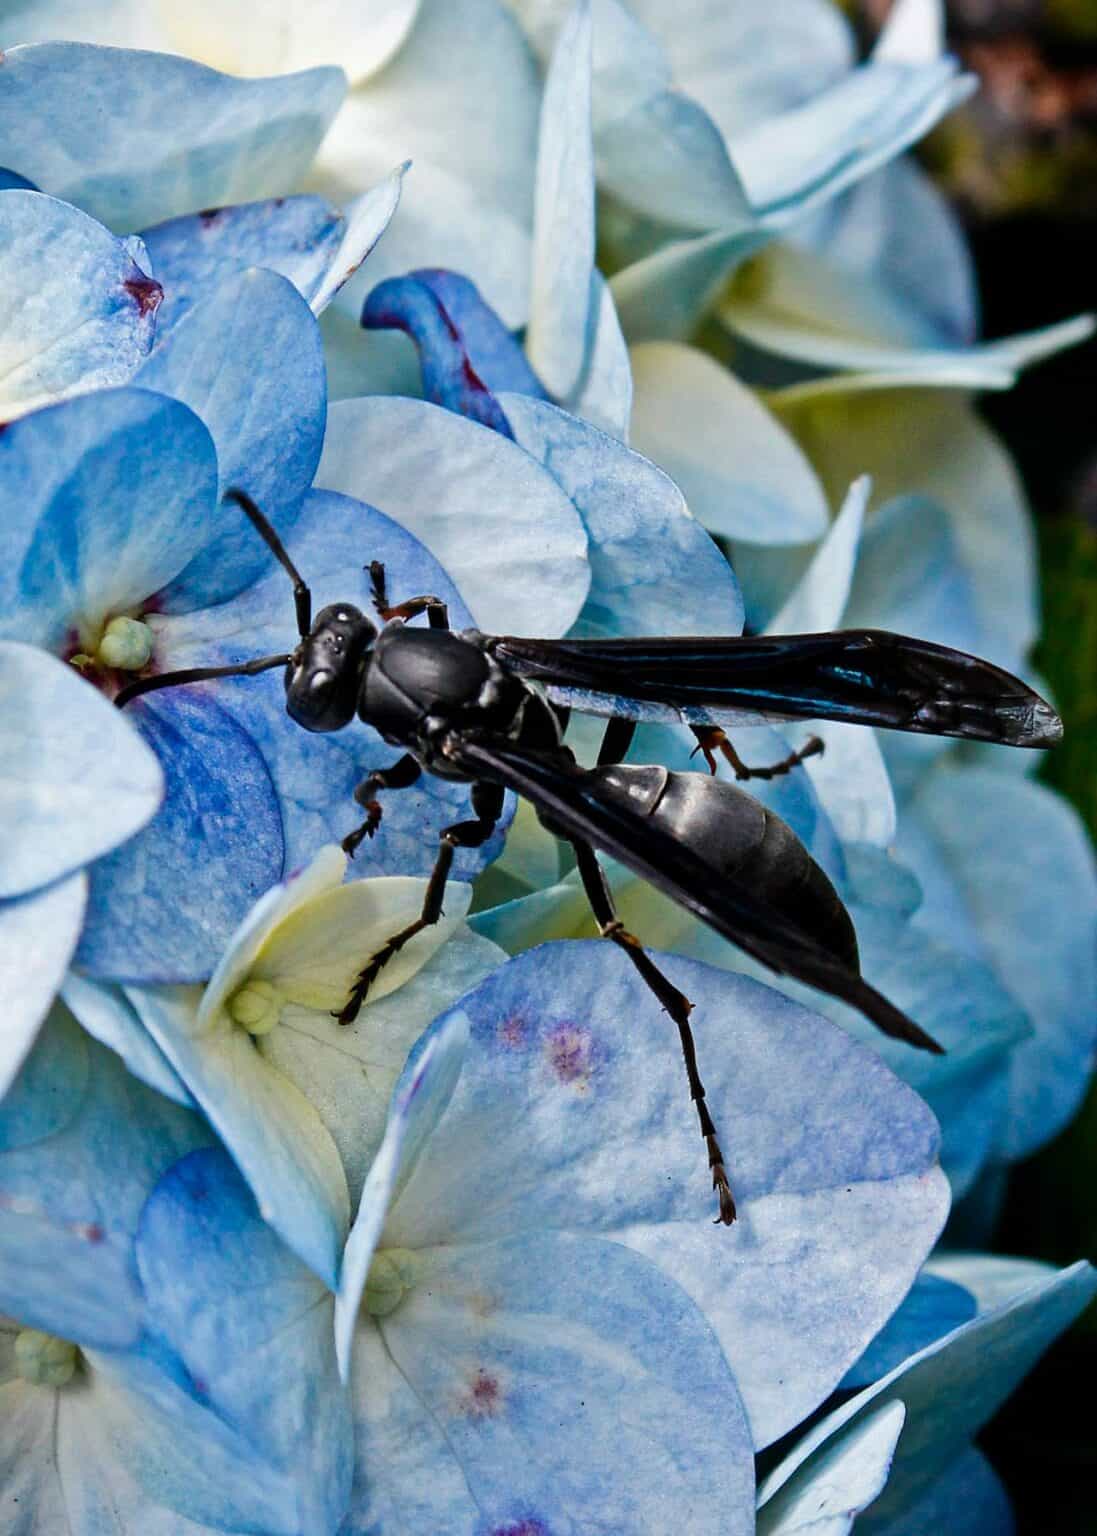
(197, 675)
(302, 597)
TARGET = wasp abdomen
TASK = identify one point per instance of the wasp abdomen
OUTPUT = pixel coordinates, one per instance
(740, 839)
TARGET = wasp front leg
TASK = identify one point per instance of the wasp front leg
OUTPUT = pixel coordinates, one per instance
(401, 775)
(487, 802)
(435, 609)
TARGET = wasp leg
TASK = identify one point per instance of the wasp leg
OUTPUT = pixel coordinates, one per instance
(402, 774)
(676, 1004)
(435, 609)
(711, 739)
(487, 802)
(616, 741)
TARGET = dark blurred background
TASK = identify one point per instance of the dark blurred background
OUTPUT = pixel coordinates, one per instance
(1020, 163)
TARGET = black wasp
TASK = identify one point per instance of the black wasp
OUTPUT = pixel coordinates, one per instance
(464, 707)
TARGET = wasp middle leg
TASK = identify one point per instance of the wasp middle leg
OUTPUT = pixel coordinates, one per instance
(676, 1004)
(487, 802)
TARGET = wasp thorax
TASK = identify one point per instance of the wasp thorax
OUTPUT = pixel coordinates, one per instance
(43, 1359)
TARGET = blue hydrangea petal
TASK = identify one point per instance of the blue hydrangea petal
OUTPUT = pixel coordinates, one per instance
(1048, 967)
(75, 777)
(73, 113)
(450, 376)
(274, 1134)
(509, 538)
(571, 1056)
(38, 935)
(106, 1015)
(654, 569)
(205, 1256)
(165, 903)
(11, 181)
(72, 1186)
(839, 1482)
(304, 238)
(741, 473)
(78, 312)
(114, 493)
(552, 1429)
(966, 1500)
(953, 1387)
(249, 361)
(933, 1307)
(315, 775)
(605, 397)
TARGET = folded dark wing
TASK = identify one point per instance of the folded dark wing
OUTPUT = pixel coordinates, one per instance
(866, 676)
(578, 806)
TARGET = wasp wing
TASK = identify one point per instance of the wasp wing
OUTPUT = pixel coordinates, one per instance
(578, 806)
(866, 676)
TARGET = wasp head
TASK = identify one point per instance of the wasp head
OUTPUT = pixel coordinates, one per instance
(325, 671)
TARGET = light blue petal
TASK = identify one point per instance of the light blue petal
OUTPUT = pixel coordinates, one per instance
(657, 149)
(563, 225)
(105, 1014)
(741, 473)
(896, 230)
(75, 777)
(744, 64)
(661, 297)
(249, 361)
(588, 1395)
(38, 934)
(933, 1307)
(418, 1102)
(83, 1143)
(496, 520)
(914, 32)
(72, 114)
(654, 569)
(966, 1500)
(109, 496)
(164, 904)
(274, 1134)
(435, 314)
(314, 776)
(818, 600)
(840, 1481)
(76, 311)
(253, 1328)
(809, 153)
(571, 1113)
(605, 397)
(1019, 860)
(952, 1388)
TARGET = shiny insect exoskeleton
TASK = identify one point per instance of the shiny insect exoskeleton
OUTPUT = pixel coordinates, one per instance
(491, 711)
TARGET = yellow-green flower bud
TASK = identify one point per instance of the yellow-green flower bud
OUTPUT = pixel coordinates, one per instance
(44, 1359)
(126, 644)
(391, 1276)
(256, 1006)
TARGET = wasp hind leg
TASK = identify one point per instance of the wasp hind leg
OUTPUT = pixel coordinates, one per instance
(676, 1004)
(487, 802)
(711, 739)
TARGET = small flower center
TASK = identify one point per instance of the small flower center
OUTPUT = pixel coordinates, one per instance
(44, 1359)
(126, 645)
(256, 1006)
(391, 1276)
